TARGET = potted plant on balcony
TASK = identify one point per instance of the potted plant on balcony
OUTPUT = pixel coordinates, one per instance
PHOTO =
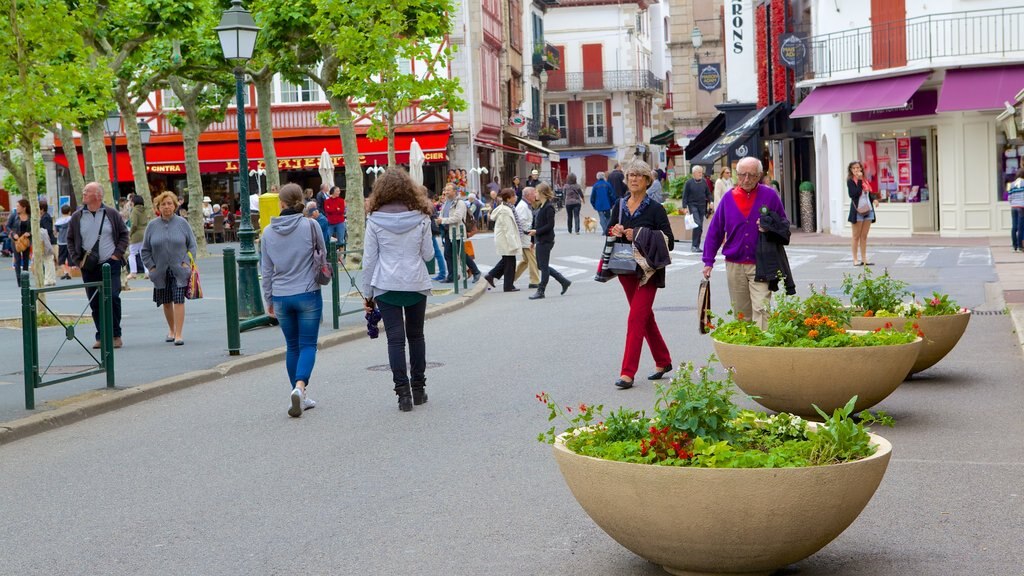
(701, 486)
(548, 133)
(806, 357)
(878, 300)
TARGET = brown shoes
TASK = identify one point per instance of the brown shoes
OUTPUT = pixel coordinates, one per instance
(117, 344)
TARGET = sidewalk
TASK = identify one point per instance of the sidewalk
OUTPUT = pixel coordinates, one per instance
(147, 366)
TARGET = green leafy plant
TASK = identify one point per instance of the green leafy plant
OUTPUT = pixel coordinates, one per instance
(696, 424)
(871, 294)
(670, 207)
(817, 321)
(941, 305)
(674, 188)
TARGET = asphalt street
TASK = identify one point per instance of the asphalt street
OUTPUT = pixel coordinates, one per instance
(217, 479)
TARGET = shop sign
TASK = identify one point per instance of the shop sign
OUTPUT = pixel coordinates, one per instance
(922, 103)
(740, 50)
(308, 164)
(710, 77)
(533, 158)
(791, 50)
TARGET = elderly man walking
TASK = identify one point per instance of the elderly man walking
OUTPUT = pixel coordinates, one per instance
(736, 225)
(696, 197)
(524, 217)
(99, 231)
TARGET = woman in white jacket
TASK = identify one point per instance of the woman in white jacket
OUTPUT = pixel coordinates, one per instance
(506, 241)
(396, 248)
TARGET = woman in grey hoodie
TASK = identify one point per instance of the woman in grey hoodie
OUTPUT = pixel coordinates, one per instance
(396, 248)
(290, 290)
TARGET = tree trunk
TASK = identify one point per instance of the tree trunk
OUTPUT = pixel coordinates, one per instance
(17, 170)
(264, 91)
(67, 143)
(90, 172)
(100, 166)
(139, 174)
(354, 202)
(190, 138)
(391, 140)
(29, 166)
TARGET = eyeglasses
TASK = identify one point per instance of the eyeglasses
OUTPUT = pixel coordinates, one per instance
(745, 175)
(636, 174)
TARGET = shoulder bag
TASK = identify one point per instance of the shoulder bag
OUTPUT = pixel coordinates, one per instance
(91, 259)
(621, 260)
(194, 290)
(864, 203)
(704, 305)
(321, 269)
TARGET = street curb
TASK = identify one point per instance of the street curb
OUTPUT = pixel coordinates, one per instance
(101, 401)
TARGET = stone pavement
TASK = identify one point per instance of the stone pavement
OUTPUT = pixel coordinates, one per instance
(146, 365)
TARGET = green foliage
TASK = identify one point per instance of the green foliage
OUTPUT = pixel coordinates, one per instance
(674, 187)
(10, 183)
(696, 424)
(817, 321)
(874, 293)
(670, 208)
(941, 305)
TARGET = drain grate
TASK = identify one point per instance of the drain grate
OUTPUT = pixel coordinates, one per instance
(988, 312)
(387, 368)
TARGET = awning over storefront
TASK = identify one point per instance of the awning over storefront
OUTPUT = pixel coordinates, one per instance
(569, 154)
(736, 137)
(861, 96)
(987, 88)
(707, 136)
(664, 138)
(303, 153)
(537, 147)
(485, 143)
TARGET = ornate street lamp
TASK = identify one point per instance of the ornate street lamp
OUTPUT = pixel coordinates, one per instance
(145, 132)
(237, 32)
(112, 125)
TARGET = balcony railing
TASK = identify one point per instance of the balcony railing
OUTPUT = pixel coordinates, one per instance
(545, 56)
(591, 136)
(607, 81)
(924, 39)
(283, 117)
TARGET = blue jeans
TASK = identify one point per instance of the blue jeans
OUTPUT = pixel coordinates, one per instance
(604, 216)
(338, 231)
(442, 268)
(1017, 232)
(299, 316)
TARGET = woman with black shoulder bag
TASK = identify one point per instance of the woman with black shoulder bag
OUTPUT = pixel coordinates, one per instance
(629, 216)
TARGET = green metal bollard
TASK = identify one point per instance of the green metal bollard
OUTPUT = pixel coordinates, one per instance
(332, 253)
(28, 331)
(107, 320)
(231, 302)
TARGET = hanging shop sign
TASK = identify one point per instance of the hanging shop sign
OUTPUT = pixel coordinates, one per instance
(740, 50)
(792, 51)
(710, 77)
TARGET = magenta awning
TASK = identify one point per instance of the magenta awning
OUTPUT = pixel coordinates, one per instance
(980, 88)
(860, 96)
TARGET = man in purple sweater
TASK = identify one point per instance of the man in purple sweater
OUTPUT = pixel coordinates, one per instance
(735, 223)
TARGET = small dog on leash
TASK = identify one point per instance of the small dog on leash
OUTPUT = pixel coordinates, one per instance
(590, 224)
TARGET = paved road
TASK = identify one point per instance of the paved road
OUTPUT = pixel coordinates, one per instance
(217, 479)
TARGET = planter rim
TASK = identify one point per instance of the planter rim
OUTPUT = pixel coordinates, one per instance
(957, 313)
(884, 448)
(911, 343)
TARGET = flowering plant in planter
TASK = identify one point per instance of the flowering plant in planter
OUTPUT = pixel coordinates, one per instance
(549, 132)
(817, 321)
(696, 424)
(885, 296)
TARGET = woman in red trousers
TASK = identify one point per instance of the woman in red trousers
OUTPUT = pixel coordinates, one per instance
(636, 211)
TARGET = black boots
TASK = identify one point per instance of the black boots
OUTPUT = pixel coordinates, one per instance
(565, 285)
(404, 398)
(419, 393)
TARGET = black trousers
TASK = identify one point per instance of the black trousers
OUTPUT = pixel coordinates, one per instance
(115, 294)
(470, 264)
(572, 214)
(405, 323)
(699, 212)
(506, 267)
(21, 261)
(543, 259)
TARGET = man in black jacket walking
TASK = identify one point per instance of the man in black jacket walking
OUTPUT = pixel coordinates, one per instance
(696, 197)
(618, 181)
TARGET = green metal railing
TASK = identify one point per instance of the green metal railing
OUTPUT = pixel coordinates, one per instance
(34, 378)
(339, 301)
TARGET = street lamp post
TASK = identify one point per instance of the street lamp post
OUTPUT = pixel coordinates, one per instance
(112, 124)
(145, 132)
(237, 32)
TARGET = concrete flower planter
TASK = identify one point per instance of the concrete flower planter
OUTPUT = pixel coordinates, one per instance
(722, 521)
(941, 333)
(679, 231)
(794, 379)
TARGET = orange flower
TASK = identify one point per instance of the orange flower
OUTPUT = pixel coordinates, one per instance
(812, 334)
(739, 315)
(869, 313)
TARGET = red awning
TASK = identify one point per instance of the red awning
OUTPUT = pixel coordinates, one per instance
(860, 96)
(986, 88)
(301, 153)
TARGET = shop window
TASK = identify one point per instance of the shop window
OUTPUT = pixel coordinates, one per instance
(305, 91)
(556, 117)
(1010, 160)
(895, 165)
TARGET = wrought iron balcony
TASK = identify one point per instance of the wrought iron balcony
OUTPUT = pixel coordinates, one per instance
(545, 57)
(606, 81)
(924, 39)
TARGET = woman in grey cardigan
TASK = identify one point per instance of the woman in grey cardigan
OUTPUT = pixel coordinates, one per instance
(165, 248)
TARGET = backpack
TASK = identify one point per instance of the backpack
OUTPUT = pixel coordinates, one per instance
(470, 222)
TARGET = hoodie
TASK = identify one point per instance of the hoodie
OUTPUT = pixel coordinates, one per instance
(287, 256)
(398, 242)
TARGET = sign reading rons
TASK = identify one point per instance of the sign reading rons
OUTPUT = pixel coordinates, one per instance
(740, 50)
(710, 77)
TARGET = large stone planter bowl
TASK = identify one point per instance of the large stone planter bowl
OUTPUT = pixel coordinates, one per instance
(941, 333)
(794, 379)
(722, 521)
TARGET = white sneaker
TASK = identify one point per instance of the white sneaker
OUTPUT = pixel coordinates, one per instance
(308, 403)
(295, 410)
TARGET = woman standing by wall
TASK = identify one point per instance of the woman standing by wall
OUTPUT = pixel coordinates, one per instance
(138, 221)
(395, 279)
(1016, 198)
(573, 202)
(166, 244)
(544, 234)
(290, 290)
(506, 241)
(635, 211)
(862, 211)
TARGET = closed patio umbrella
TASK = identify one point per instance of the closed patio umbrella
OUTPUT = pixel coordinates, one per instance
(416, 159)
(326, 168)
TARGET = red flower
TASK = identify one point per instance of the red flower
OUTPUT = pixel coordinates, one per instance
(739, 315)
(583, 407)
